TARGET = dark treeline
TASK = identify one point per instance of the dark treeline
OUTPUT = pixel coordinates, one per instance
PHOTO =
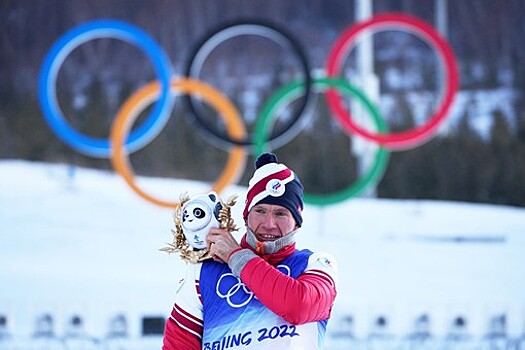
(460, 164)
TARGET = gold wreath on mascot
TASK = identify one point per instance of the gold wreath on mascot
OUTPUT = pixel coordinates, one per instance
(193, 219)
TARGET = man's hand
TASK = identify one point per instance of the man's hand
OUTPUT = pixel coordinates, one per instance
(221, 244)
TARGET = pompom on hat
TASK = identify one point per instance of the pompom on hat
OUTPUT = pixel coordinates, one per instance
(274, 183)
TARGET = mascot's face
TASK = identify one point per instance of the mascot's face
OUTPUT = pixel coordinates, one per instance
(199, 214)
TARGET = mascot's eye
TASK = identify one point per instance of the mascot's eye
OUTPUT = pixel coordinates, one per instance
(199, 213)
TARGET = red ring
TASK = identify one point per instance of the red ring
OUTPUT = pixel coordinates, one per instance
(412, 137)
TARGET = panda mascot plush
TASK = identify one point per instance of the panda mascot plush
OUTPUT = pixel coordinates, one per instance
(198, 215)
(193, 219)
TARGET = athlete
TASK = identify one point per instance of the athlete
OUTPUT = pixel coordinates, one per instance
(261, 292)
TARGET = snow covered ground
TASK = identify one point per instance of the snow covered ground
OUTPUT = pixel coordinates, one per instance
(80, 241)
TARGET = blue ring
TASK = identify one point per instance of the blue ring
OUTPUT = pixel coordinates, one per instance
(91, 146)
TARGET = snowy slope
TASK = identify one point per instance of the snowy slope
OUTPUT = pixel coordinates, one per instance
(83, 242)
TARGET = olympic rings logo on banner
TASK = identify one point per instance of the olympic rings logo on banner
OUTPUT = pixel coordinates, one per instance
(123, 140)
(231, 288)
(237, 295)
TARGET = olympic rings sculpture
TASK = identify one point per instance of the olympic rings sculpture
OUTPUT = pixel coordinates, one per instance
(380, 158)
(63, 47)
(348, 39)
(124, 141)
(131, 109)
(237, 28)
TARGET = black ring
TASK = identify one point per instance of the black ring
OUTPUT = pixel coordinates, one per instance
(295, 45)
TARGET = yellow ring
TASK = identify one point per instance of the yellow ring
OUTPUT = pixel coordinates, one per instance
(137, 102)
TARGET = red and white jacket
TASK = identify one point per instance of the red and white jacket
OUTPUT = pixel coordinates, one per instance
(282, 300)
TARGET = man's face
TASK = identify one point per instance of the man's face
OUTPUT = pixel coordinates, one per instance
(269, 222)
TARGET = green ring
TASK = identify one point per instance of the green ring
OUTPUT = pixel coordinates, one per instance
(282, 96)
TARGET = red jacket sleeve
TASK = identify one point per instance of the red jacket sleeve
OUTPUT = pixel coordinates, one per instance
(308, 298)
(182, 331)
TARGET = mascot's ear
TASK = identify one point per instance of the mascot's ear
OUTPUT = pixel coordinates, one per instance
(212, 196)
(217, 210)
